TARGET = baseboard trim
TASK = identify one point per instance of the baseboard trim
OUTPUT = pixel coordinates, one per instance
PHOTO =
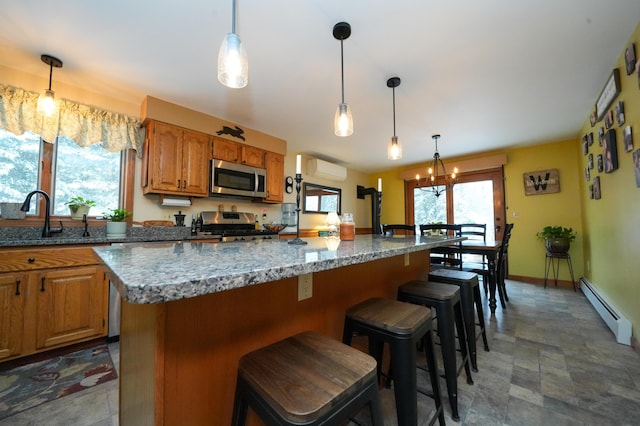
(540, 281)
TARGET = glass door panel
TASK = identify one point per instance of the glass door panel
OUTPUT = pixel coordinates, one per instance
(473, 203)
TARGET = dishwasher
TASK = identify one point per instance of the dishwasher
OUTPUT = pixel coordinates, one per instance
(114, 314)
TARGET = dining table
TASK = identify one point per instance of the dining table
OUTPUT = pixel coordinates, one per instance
(490, 249)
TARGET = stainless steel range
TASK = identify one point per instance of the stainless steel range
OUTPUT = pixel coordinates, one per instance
(234, 226)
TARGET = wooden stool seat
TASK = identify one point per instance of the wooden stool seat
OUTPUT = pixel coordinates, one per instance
(401, 326)
(469, 297)
(307, 379)
(434, 290)
(389, 315)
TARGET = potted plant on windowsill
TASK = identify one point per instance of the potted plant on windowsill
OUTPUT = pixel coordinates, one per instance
(557, 239)
(79, 206)
(116, 227)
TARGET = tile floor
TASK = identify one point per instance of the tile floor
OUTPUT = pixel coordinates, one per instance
(553, 361)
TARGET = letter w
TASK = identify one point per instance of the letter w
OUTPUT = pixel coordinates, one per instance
(540, 183)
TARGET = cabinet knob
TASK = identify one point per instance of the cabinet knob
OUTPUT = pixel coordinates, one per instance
(31, 260)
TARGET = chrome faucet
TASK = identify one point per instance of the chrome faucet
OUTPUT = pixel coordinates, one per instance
(46, 230)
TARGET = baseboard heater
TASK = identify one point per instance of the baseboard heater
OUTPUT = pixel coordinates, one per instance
(619, 325)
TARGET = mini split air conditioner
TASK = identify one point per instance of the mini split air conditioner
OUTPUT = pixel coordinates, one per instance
(325, 170)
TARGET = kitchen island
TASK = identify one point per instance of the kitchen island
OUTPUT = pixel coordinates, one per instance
(191, 310)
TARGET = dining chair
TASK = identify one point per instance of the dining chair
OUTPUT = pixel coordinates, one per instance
(500, 267)
(474, 231)
(390, 229)
(449, 256)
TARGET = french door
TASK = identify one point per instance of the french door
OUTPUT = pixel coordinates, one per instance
(477, 197)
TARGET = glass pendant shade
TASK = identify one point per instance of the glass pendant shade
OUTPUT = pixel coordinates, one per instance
(394, 151)
(233, 67)
(343, 121)
(47, 104)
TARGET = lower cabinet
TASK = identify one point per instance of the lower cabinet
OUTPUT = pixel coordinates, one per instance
(44, 307)
(12, 307)
(70, 306)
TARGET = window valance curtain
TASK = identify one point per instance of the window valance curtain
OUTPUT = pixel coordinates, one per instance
(85, 125)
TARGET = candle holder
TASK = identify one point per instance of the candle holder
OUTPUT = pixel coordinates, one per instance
(297, 240)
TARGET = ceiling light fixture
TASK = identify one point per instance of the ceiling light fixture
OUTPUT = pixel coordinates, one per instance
(343, 121)
(437, 169)
(47, 104)
(233, 67)
(394, 151)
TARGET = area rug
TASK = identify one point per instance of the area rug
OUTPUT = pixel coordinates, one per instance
(30, 385)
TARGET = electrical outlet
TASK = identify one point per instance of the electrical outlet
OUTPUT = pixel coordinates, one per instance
(305, 286)
(406, 259)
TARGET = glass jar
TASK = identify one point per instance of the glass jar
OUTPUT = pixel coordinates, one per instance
(347, 227)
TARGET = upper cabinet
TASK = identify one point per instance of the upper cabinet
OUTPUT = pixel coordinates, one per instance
(177, 161)
(238, 153)
(275, 177)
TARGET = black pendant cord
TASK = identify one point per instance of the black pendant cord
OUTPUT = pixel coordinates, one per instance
(342, 67)
(233, 17)
(50, 75)
(394, 111)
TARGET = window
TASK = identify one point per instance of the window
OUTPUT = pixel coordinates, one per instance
(67, 170)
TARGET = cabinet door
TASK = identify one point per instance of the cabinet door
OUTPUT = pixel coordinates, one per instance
(165, 157)
(72, 306)
(252, 156)
(196, 153)
(275, 177)
(226, 150)
(13, 290)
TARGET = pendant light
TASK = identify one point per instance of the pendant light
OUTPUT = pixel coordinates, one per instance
(343, 122)
(47, 104)
(394, 151)
(437, 172)
(233, 67)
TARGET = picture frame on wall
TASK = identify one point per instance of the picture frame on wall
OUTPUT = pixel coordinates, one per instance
(608, 119)
(591, 192)
(620, 113)
(630, 58)
(585, 145)
(610, 152)
(609, 93)
(599, 163)
(587, 174)
(597, 194)
(628, 139)
(600, 136)
(590, 138)
(590, 161)
(593, 118)
(636, 166)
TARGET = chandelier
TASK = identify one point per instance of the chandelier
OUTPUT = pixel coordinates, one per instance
(434, 171)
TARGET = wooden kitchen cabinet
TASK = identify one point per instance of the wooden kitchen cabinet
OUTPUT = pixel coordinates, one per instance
(275, 177)
(71, 306)
(238, 153)
(12, 301)
(63, 299)
(178, 161)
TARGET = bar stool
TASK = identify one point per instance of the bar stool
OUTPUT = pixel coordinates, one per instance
(469, 295)
(402, 326)
(307, 379)
(445, 298)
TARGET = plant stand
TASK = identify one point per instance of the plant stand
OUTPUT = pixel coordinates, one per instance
(550, 264)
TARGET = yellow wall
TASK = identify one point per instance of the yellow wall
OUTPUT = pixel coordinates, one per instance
(531, 213)
(612, 224)
(608, 241)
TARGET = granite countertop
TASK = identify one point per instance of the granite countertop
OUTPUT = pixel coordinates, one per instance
(32, 236)
(161, 272)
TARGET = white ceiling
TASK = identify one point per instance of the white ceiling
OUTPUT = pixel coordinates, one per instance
(485, 74)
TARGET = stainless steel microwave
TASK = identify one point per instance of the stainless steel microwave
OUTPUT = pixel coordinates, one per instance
(237, 179)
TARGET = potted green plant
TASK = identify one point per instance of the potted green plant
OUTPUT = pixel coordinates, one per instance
(116, 227)
(557, 239)
(79, 206)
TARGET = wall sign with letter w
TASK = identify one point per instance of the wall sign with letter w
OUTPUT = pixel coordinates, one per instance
(541, 182)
